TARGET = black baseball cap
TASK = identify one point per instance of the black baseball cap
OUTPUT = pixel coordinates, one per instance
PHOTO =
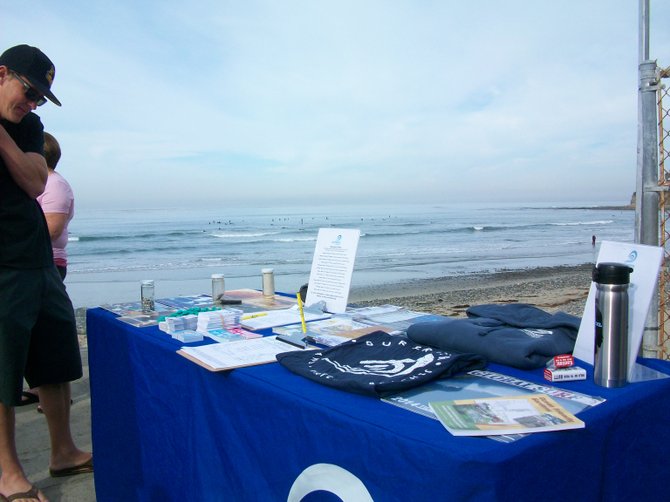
(33, 64)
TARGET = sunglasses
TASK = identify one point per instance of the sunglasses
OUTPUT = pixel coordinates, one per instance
(30, 92)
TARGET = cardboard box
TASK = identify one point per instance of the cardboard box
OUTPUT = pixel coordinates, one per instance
(564, 374)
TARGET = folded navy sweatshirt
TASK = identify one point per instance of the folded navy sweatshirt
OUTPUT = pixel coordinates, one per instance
(518, 335)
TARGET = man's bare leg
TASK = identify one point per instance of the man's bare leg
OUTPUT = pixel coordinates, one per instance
(55, 402)
(12, 480)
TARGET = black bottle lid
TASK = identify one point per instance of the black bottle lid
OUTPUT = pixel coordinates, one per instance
(611, 273)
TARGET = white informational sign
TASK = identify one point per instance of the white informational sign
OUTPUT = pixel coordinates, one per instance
(332, 267)
(645, 262)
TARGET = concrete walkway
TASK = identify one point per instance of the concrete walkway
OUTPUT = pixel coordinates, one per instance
(32, 439)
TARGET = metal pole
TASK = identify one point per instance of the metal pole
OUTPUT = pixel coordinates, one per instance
(647, 199)
(644, 30)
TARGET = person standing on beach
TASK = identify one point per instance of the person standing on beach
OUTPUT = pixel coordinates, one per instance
(38, 336)
(57, 202)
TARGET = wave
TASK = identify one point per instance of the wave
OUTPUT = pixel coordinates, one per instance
(577, 223)
(295, 239)
(237, 235)
(481, 227)
(140, 236)
(404, 230)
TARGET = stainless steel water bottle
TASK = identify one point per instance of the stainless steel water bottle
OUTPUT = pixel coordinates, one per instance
(610, 362)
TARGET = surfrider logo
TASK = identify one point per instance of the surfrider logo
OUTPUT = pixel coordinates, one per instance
(389, 368)
(329, 478)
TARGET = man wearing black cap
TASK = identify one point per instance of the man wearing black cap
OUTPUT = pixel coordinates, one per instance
(38, 337)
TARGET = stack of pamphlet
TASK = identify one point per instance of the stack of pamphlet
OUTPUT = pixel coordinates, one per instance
(174, 324)
(218, 319)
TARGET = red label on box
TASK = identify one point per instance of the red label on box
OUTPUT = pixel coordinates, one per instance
(564, 361)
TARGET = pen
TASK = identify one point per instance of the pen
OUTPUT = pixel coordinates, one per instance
(302, 313)
(251, 316)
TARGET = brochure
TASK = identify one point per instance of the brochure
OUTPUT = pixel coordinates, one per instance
(504, 415)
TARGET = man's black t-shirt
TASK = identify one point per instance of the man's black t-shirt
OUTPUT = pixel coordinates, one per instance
(24, 235)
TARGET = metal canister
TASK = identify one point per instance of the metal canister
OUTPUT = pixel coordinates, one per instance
(268, 282)
(218, 287)
(610, 362)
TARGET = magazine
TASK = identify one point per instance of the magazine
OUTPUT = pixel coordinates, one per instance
(391, 317)
(135, 308)
(254, 298)
(330, 332)
(187, 301)
(131, 313)
(484, 384)
(504, 415)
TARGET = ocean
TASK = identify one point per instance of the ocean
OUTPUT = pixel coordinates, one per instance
(110, 251)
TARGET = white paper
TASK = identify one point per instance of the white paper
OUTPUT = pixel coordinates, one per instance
(332, 267)
(230, 355)
(645, 262)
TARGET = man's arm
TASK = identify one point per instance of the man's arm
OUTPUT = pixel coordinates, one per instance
(29, 170)
(56, 223)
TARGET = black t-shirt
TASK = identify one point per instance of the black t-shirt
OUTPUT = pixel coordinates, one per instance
(24, 235)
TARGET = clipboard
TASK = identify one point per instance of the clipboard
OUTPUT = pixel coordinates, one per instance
(238, 354)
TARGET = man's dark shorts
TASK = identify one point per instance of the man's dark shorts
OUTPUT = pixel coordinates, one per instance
(38, 333)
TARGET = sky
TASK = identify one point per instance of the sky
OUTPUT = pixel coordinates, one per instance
(202, 103)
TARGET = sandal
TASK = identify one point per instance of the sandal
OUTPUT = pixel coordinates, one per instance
(84, 468)
(28, 397)
(32, 494)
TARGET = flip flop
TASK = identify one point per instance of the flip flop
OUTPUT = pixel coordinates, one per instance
(27, 398)
(84, 468)
(32, 494)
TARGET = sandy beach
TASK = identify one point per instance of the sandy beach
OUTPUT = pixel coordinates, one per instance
(550, 288)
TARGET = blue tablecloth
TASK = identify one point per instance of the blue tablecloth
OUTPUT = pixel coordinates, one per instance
(166, 429)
